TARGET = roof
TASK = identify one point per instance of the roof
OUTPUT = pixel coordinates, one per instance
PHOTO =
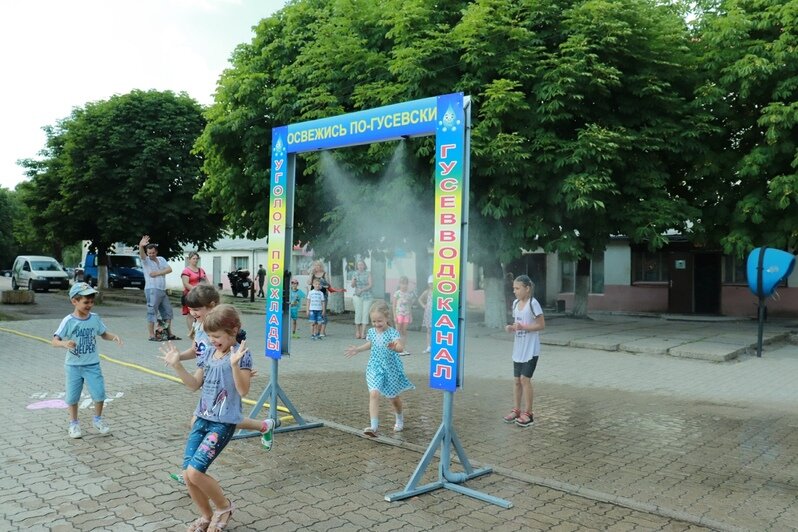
(236, 244)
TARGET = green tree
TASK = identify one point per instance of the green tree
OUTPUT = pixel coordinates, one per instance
(117, 169)
(583, 124)
(8, 248)
(316, 59)
(616, 116)
(748, 189)
(17, 236)
(581, 109)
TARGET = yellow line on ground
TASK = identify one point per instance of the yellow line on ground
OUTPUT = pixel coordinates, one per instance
(133, 366)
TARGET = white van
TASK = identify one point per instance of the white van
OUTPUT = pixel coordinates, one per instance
(38, 273)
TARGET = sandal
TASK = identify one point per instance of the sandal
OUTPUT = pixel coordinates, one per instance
(512, 416)
(525, 420)
(154, 339)
(200, 524)
(172, 337)
(227, 514)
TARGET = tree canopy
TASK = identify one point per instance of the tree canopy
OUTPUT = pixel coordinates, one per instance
(581, 113)
(748, 176)
(7, 215)
(120, 168)
(591, 118)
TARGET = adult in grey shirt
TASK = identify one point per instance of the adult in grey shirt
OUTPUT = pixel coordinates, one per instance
(155, 270)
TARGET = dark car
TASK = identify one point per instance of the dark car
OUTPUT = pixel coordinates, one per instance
(123, 271)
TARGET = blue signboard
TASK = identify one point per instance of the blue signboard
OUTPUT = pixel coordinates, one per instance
(405, 119)
(439, 115)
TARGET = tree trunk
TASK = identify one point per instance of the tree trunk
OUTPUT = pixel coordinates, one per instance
(423, 266)
(378, 275)
(495, 306)
(581, 288)
(335, 301)
(423, 263)
(102, 267)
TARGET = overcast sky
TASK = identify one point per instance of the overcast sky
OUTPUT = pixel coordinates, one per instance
(61, 54)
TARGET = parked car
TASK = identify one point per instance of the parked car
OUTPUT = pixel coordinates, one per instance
(123, 271)
(5, 273)
(36, 272)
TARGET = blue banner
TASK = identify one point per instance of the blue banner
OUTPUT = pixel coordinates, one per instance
(278, 208)
(405, 119)
(447, 279)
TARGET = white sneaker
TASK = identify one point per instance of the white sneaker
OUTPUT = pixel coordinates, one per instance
(427, 350)
(74, 431)
(101, 427)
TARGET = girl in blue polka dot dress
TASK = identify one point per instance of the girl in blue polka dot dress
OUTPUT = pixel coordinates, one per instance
(385, 374)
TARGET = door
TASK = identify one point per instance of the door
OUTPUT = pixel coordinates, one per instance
(533, 265)
(680, 283)
(707, 283)
(217, 271)
(536, 270)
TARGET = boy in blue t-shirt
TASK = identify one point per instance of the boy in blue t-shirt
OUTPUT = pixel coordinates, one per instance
(78, 333)
(295, 297)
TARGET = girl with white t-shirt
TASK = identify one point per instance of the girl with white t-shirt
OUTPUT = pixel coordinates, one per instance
(527, 322)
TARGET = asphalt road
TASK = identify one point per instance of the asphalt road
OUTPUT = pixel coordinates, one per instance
(54, 304)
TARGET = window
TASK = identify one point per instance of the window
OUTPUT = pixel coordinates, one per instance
(734, 270)
(240, 263)
(597, 274)
(568, 274)
(125, 261)
(649, 267)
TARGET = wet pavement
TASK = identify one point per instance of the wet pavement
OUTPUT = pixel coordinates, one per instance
(623, 440)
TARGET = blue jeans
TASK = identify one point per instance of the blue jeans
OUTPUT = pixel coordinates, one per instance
(205, 441)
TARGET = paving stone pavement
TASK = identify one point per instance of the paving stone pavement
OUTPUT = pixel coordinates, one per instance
(621, 441)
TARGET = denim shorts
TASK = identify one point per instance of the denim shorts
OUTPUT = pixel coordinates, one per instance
(205, 441)
(315, 316)
(527, 369)
(76, 375)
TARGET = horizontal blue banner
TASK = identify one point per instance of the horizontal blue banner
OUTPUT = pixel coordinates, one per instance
(405, 119)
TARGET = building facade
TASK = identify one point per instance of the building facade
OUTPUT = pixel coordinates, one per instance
(678, 279)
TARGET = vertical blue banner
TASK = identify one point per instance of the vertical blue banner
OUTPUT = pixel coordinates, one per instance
(449, 201)
(276, 261)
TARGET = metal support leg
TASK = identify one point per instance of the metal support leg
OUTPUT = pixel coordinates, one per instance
(446, 437)
(273, 392)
